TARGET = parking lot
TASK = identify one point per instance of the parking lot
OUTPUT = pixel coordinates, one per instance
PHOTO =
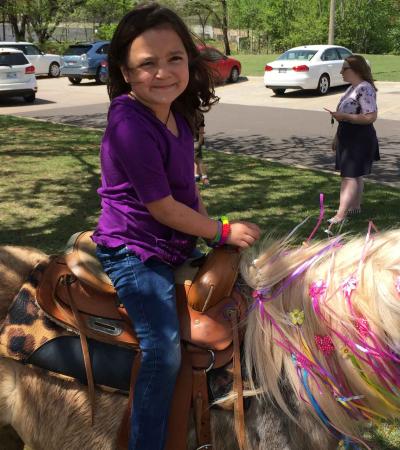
(58, 95)
(293, 129)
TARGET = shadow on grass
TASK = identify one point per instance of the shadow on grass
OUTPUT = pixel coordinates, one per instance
(313, 152)
(50, 175)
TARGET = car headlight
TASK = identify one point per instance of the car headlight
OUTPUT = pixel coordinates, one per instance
(84, 58)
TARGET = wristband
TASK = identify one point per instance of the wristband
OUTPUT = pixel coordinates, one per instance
(226, 229)
(222, 234)
(215, 242)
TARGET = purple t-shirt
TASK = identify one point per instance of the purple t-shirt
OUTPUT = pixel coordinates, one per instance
(142, 161)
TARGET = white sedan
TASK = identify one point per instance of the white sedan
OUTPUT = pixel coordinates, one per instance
(307, 67)
(45, 63)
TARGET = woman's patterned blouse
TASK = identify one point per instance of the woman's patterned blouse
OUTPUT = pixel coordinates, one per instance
(360, 99)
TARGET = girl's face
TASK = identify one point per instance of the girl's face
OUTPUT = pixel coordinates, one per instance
(157, 68)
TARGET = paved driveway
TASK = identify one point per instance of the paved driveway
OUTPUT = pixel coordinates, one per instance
(250, 119)
(56, 95)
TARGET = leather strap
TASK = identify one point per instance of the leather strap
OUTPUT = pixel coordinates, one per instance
(125, 427)
(201, 409)
(238, 383)
(85, 349)
(180, 409)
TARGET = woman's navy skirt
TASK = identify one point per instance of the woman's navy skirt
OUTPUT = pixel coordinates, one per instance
(356, 148)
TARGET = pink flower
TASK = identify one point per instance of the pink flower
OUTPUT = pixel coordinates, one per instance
(324, 344)
(362, 326)
(348, 285)
(317, 289)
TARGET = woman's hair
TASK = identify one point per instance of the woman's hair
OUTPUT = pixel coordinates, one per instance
(359, 65)
(199, 94)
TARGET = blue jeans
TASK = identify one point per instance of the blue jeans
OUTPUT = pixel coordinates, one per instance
(147, 290)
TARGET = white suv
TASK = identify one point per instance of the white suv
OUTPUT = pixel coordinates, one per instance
(17, 75)
(45, 63)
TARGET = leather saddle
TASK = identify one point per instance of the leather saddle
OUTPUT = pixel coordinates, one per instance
(76, 293)
(204, 297)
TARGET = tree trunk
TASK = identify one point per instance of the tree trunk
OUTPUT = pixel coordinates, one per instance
(19, 31)
(225, 26)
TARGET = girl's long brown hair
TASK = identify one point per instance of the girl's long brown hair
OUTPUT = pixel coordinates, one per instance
(199, 94)
(360, 66)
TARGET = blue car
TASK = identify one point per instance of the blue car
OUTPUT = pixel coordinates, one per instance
(83, 60)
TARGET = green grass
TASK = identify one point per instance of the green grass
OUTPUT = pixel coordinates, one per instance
(49, 175)
(384, 67)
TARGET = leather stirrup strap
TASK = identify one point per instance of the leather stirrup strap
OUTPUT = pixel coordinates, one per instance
(125, 427)
(238, 384)
(201, 409)
(180, 409)
(85, 348)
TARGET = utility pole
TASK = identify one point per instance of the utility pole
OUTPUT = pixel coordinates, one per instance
(331, 37)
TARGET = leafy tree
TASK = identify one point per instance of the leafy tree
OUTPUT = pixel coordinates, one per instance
(363, 25)
(15, 12)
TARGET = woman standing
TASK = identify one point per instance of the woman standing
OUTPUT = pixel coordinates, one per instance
(356, 144)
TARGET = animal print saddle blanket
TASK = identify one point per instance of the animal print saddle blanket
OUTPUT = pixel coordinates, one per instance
(29, 336)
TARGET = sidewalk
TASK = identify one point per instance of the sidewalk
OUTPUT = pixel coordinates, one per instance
(253, 93)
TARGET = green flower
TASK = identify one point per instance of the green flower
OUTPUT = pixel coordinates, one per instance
(297, 317)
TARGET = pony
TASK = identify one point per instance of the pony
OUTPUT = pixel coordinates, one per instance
(320, 353)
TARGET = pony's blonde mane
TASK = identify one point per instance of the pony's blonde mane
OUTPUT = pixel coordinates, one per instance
(374, 304)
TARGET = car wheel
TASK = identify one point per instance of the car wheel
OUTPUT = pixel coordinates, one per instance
(75, 80)
(103, 76)
(99, 77)
(234, 76)
(278, 92)
(323, 84)
(30, 98)
(54, 70)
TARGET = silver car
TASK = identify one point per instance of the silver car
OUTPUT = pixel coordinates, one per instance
(17, 75)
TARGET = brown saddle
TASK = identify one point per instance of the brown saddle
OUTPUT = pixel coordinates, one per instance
(77, 294)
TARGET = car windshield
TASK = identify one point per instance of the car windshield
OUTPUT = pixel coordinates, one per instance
(305, 55)
(12, 59)
(77, 50)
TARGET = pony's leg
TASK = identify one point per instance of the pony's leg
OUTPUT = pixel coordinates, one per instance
(9, 439)
(265, 428)
(310, 435)
(53, 414)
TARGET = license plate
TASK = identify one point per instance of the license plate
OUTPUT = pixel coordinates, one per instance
(282, 70)
(71, 63)
(12, 75)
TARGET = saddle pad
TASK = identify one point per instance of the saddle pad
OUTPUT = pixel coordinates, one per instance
(28, 336)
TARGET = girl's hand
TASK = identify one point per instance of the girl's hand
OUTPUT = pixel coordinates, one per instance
(243, 234)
